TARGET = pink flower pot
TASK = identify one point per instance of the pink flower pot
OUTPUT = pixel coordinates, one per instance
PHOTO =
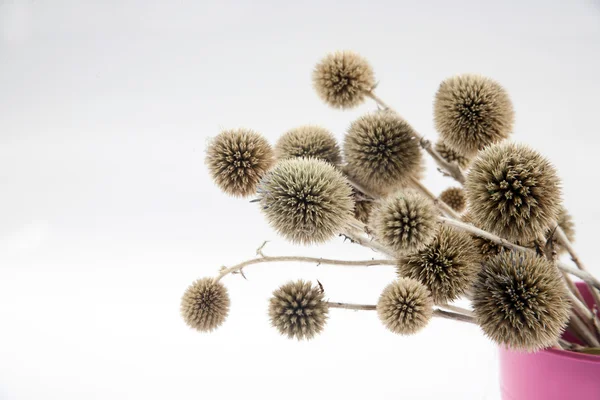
(550, 374)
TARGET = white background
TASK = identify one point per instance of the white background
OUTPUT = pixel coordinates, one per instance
(107, 212)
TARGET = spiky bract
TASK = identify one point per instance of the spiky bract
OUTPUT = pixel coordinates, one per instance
(447, 266)
(520, 301)
(237, 159)
(405, 306)
(513, 192)
(205, 305)
(297, 310)
(405, 221)
(452, 156)
(342, 79)
(308, 141)
(306, 200)
(472, 112)
(455, 198)
(381, 151)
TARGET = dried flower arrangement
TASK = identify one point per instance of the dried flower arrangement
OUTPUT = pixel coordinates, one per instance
(494, 240)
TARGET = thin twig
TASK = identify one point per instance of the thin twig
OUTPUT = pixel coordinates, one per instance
(454, 316)
(451, 168)
(456, 309)
(437, 201)
(582, 331)
(347, 306)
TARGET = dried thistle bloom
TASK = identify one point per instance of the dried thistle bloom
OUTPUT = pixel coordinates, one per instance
(520, 301)
(455, 198)
(306, 200)
(342, 79)
(485, 248)
(362, 210)
(297, 310)
(405, 306)
(452, 156)
(565, 221)
(237, 159)
(308, 141)
(381, 151)
(447, 266)
(513, 192)
(205, 305)
(405, 222)
(472, 112)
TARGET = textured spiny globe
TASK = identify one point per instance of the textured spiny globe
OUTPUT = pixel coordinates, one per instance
(452, 156)
(447, 266)
(342, 79)
(520, 301)
(513, 191)
(405, 221)
(297, 310)
(472, 112)
(381, 152)
(237, 159)
(405, 306)
(308, 141)
(362, 210)
(455, 198)
(205, 305)
(306, 200)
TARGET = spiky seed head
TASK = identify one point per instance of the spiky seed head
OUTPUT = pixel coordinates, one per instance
(297, 310)
(342, 79)
(381, 151)
(237, 159)
(452, 156)
(455, 198)
(485, 248)
(520, 301)
(447, 266)
(205, 305)
(362, 210)
(405, 221)
(513, 192)
(306, 200)
(472, 112)
(565, 221)
(308, 141)
(405, 306)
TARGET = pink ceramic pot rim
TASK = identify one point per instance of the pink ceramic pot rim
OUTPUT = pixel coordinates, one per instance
(591, 358)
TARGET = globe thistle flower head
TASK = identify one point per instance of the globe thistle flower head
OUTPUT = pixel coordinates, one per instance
(520, 301)
(297, 310)
(308, 141)
(381, 151)
(447, 266)
(452, 156)
(362, 210)
(342, 79)
(455, 198)
(205, 305)
(472, 112)
(565, 221)
(405, 306)
(513, 191)
(405, 222)
(306, 200)
(237, 159)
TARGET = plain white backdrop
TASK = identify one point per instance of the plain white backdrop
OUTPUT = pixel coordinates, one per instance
(107, 212)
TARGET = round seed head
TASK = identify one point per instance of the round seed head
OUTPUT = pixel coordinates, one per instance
(447, 266)
(471, 112)
(237, 159)
(342, 79)
(306, 200)
(405, 306)
(455, 198)
(520, 301)
(452, 156)
(405, 222)
(362, 210)
(513, 192)
(205, 305)
(565, 221)
(381, 151)
(308, 141)
(297, 310)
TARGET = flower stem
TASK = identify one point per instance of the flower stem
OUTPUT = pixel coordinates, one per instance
(436, 313)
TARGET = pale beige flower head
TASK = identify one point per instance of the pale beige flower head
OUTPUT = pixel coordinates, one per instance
(205, 305)
(308, 141)
(405, 306)
(455, 198)
(342, 79)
